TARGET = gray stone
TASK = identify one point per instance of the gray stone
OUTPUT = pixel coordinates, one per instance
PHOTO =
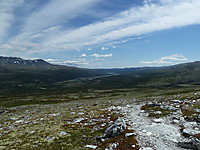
(176, 121)
(176, 101)
(189, 145)
(91, 146)
(146, 148)
(63, 133)
(190, 124)
(158, 120)
(130, 134)
(191, 131)
(115, 128)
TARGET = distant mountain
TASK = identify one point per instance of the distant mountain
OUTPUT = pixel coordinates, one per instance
(181, 75)
(20, 74)
(21, 62)
(16, 71)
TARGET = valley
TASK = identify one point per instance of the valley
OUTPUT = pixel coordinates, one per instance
(118, 109)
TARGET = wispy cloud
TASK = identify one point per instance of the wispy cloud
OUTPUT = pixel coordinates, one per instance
(89, 49)
(47, 28)
(167, 59)
(53, 14)
(104, 48)
(135, 22)
(98, 59)
(98, 55)
(156, 62)
(78, 62)
(7, 8)
(83, 55)
(176, 57)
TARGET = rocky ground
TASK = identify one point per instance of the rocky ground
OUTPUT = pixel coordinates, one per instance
(152, 123)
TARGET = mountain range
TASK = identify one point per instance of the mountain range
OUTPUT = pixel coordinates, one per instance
(20, 74)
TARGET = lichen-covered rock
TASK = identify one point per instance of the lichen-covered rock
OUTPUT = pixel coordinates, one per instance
(115, 128)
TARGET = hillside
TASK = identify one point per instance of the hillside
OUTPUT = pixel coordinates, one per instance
(27, 77)
(180, 75)
(15, 73)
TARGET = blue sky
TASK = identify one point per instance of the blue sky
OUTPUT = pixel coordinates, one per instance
(101, 33)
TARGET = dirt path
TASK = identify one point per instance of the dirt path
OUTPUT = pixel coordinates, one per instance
(155, 134)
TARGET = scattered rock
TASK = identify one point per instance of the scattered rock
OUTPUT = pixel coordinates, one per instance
(175, 121)
(190, 124)
(146, 148)
(158, 112)
(149, 133)
(144, 131)
(19, 121)
(81, 113)
(49, 139)
(158, 120)
(133, 146)
(79, 120)
(176, 101)
(56, 114)
(152, 105)
(91, 146)
(130, 134)
(31, 132)
(63, 133)
(190, 131)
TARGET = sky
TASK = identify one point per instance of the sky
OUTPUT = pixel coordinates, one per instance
(101, 33)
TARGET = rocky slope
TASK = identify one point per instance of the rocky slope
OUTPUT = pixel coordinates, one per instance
(148, 123)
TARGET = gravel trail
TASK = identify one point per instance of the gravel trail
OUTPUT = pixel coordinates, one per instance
(159, 135)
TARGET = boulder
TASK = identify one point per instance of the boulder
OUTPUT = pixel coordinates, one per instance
(190, 131)
(115, 128)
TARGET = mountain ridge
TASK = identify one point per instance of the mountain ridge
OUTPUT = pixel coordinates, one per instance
(36, 74)
(20, 61)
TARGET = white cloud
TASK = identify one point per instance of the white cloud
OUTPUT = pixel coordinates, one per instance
(155, 62)
(83, 55)
(98, 55)
(54, 13)
(175, 57)
(98, 59)
(78, 62)
(167, 59)
(104, 48)
(89, 49)
(7, 8)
